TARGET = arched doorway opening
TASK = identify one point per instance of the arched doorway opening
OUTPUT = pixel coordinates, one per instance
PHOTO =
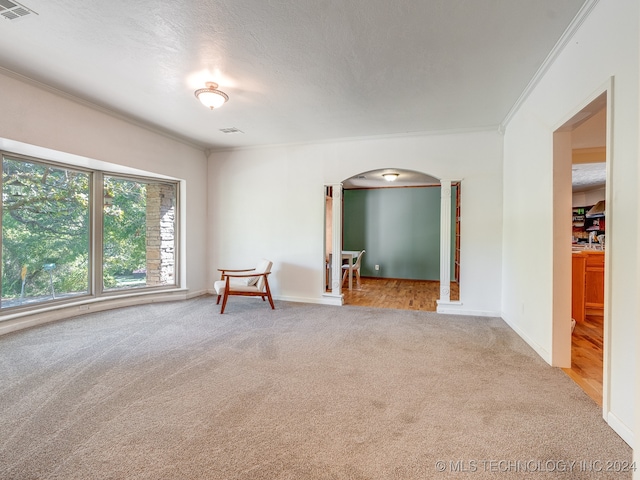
(408, 224)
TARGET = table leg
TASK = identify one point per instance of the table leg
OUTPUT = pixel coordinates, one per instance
(350, 272)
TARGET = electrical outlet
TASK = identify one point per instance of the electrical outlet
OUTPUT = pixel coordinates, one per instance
(377, 267)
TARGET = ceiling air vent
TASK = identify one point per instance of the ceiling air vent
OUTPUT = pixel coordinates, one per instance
(227, 130)
(13, 10)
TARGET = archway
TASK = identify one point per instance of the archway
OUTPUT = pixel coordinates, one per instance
(418, 249)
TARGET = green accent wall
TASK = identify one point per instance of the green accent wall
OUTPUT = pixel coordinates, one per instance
(399, 228)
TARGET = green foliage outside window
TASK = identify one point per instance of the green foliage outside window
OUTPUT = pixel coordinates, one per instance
(46, 225)
(45, 221)
(124, 232)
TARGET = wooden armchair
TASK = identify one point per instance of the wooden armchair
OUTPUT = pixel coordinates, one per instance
(251, 282)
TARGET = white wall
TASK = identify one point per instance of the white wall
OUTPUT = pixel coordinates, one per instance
(605, 45)
(591, 133)
(38, 122)
(269, 202)
(588, 198)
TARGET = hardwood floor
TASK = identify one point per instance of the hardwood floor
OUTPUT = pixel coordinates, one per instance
(586, 356)
(394, 293)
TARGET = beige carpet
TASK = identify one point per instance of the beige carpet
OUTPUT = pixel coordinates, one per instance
(177, 391)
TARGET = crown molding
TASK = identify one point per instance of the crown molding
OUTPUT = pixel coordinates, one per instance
(382, 136)
(94, 106)
(560, 45)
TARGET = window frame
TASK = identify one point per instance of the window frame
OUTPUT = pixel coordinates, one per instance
(95, 282)
(100, 234)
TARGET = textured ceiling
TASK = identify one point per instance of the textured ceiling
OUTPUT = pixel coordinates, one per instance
(295, 71)
(586, 176)
(374, 179)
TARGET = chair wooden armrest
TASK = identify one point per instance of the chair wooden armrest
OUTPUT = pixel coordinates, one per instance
(227, 276)
(252, 274)
(223, 270)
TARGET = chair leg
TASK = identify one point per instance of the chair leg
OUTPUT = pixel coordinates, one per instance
(224, 300)
(344, 276)
(266, 284)
(218, 301)
(358, 277)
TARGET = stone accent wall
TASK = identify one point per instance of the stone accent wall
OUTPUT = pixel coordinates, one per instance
(160, 234)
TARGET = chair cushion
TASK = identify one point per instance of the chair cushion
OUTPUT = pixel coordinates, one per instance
(219, 286)
(263, 266)
(246, 280)
(235, 284)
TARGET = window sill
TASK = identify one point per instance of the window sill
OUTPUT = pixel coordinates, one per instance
(13, 321)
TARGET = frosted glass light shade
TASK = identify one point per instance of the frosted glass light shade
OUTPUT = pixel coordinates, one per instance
(211, 97)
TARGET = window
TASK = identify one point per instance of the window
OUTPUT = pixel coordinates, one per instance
(138, 233)
(49, 234)
(45, 232)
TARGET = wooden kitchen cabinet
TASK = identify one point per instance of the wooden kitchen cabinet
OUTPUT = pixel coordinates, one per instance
(587, 283)
(578, 267)
(594, 283)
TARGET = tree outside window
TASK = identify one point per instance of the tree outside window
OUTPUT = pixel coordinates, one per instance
(46, 233)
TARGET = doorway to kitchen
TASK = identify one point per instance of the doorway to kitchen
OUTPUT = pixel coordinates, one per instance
(580, 154)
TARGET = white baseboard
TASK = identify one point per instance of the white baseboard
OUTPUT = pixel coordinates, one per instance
(452, 308)
(327, 299)
(620, 428)
(456, 308)
(544, 354)
(331, 299)
(195, 294)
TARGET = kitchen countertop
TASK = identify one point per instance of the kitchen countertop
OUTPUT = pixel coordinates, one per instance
(594, 248)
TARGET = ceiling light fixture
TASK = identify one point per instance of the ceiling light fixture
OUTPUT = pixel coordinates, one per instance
(390, 177)
(211, 97)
